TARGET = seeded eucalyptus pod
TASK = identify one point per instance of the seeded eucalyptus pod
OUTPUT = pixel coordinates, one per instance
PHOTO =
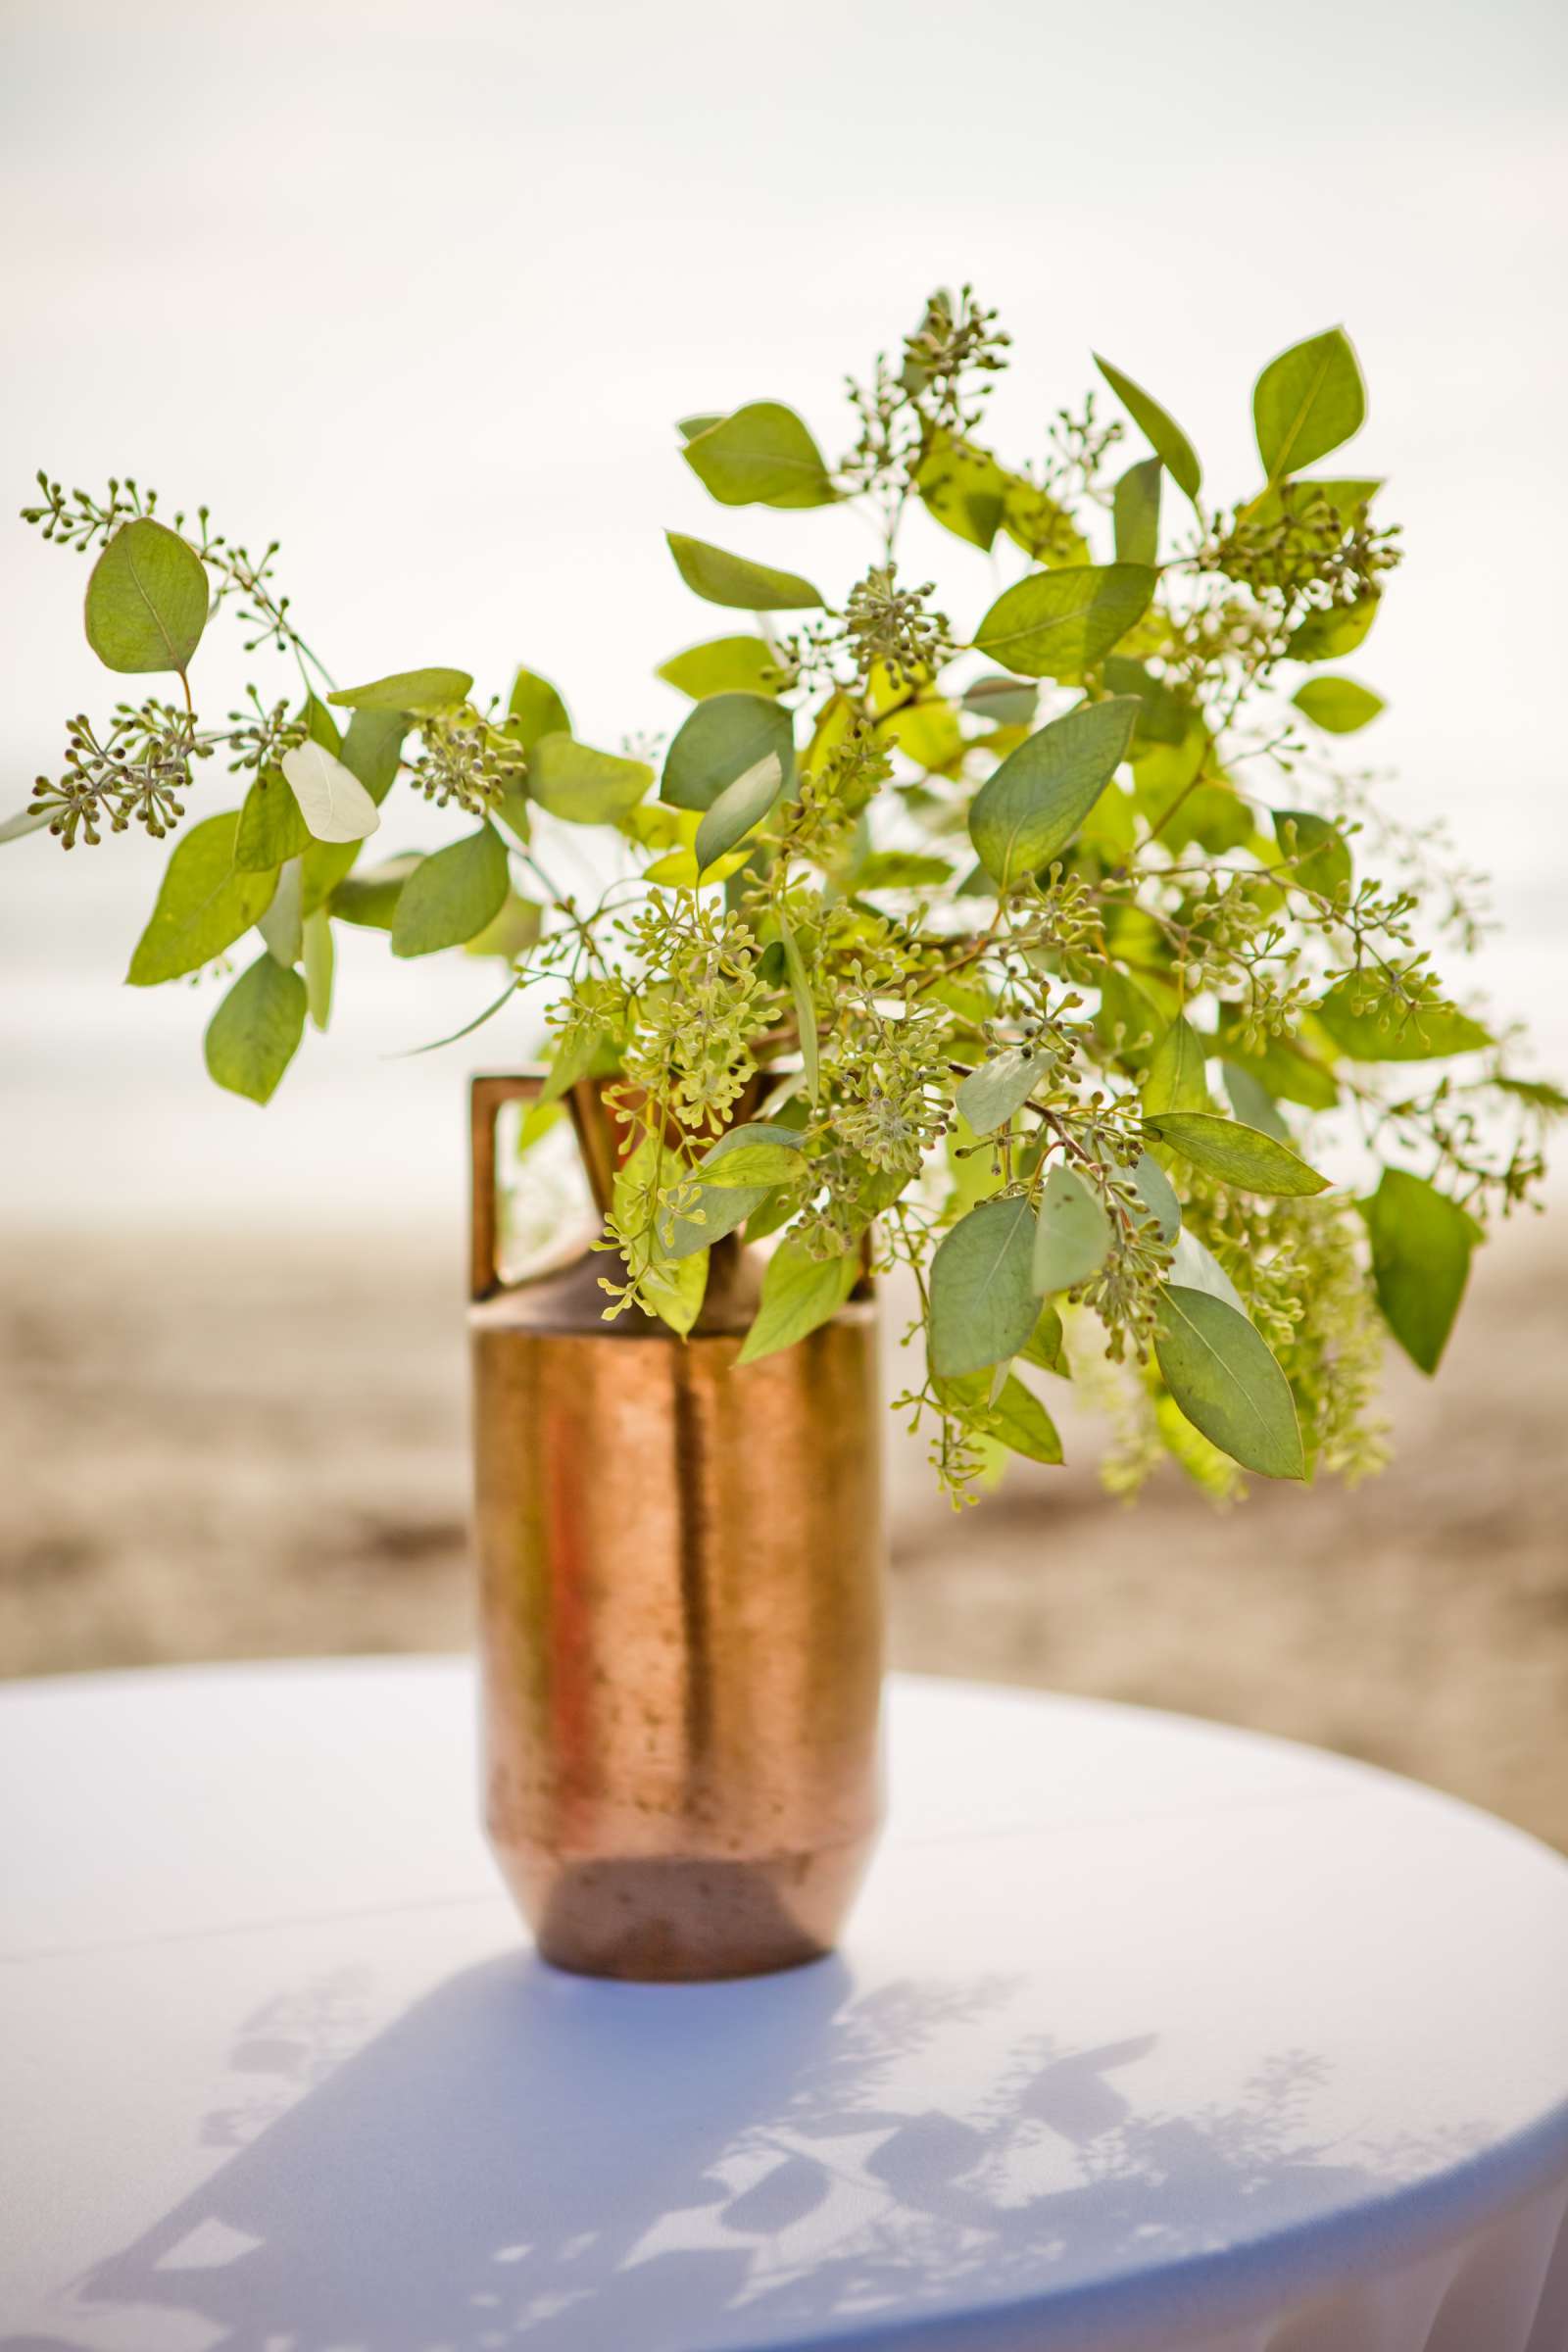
(1050, 953)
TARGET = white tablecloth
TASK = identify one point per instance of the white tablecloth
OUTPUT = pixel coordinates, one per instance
(1145, 2034)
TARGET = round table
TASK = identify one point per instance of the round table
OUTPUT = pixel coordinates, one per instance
(1145, 2034)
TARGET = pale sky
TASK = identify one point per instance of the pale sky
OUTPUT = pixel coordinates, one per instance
(419, 290)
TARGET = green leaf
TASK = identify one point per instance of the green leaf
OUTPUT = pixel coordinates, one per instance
(1158, 1195)
(672, 1287)
(1175, 1079)
(1538, 1093)
(146, 600)
(510, 933)
(1072, 1235)
(1306, 401)
(1001, 702)
(334, 803)
(371, 751)
(1136, 513)
(535, 710)
(1318, 853)
(1421, 1245)
(760, 456)
(283, 926)
(756, 1154)
(1252, 1102)
(1044, 1346)
(1337, 705)
(901, 869)
(804, 1008)
(371, 896)
(963, 486)
(583, 786)
(990, 1095)
(1315, 495)
(1287, 1065)
(738, 807)
(689, 427)
(723, 738)
(1237, 1155)
(983, 1302)
(1388, 1031)
(1015, 1417)
(272, 827)
(1333, 630)
(1195, 1268)
(1126, 1021)
(1164, 716)
(254, 1033)
(1038, 524)
(726, 1204)
(1227, 1382)
(1055, 624)
(321, 957)
(203, 904)
(800, 1292)
(408, 691)
(1027, 812)
(722, 665)
(451, 897)
(26, 820)
(726, 580)
(1158, 426)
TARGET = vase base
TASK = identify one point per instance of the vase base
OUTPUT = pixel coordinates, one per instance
(679, 1921)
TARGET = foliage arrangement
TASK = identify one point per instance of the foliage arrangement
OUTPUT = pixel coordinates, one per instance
(1040, 955)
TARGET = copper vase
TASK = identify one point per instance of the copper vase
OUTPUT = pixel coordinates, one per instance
(680, 1627)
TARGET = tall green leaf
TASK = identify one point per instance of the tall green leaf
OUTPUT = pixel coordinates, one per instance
(534, 710)
(1319, 852)
(804, 1008)
(254, 1033)
(800, 1292)
(450, 898)
(723, 738)
(271, 827)
(204, 903)
(1027, 812)
(146, 600)
(1135, 514)
(1175, 1078)
(963, 486)
(1307, 401)
(1055, 624)
(1421, 1246)
(726, 580)
(1227, 1382)
(1072, 1233)
(983, 1301)
(760, 456)
(738, 807)
(1163, 433)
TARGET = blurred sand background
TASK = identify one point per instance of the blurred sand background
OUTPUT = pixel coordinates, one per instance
(245, 1448)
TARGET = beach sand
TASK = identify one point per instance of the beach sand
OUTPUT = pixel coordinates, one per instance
(256, 1448)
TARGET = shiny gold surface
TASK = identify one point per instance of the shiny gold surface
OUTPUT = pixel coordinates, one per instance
(680, 1619)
